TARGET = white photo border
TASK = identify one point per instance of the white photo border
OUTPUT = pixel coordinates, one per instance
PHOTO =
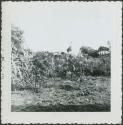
(113, 117)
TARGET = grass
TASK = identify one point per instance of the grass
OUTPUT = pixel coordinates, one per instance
(63, 108)
(92, 95)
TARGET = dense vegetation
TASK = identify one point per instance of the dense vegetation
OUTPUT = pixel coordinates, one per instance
(59, 81)
(30, 70)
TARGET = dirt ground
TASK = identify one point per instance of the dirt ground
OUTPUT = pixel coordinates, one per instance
(91, 95)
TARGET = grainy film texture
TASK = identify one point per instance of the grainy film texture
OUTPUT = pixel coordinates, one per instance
(61, 59)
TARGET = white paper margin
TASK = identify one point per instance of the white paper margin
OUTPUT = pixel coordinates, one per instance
(61, 117)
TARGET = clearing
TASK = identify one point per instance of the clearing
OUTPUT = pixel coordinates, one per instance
(91, 95)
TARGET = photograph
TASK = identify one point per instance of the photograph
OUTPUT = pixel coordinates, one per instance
(62, 55)
(65, 64)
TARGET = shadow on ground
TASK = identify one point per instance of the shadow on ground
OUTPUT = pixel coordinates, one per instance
(62, 108)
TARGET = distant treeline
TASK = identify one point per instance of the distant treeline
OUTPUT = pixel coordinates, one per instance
(31, 69)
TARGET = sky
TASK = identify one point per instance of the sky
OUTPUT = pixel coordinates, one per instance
(54, 26)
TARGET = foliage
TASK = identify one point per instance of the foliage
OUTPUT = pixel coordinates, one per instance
(31, 69)
(20, 59)
(89, 52)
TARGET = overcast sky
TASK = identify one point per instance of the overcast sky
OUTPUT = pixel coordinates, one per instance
(53, 26)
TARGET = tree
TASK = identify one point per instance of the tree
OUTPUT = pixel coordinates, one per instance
(20, 60)
(16, 54)
(69, 49)
(87, 51)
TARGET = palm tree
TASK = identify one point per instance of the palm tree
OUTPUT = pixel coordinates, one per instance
(69, 49)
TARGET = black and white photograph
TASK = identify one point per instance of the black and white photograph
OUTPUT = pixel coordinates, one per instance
(64, 57)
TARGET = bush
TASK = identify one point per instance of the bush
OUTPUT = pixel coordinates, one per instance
(29, 69)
